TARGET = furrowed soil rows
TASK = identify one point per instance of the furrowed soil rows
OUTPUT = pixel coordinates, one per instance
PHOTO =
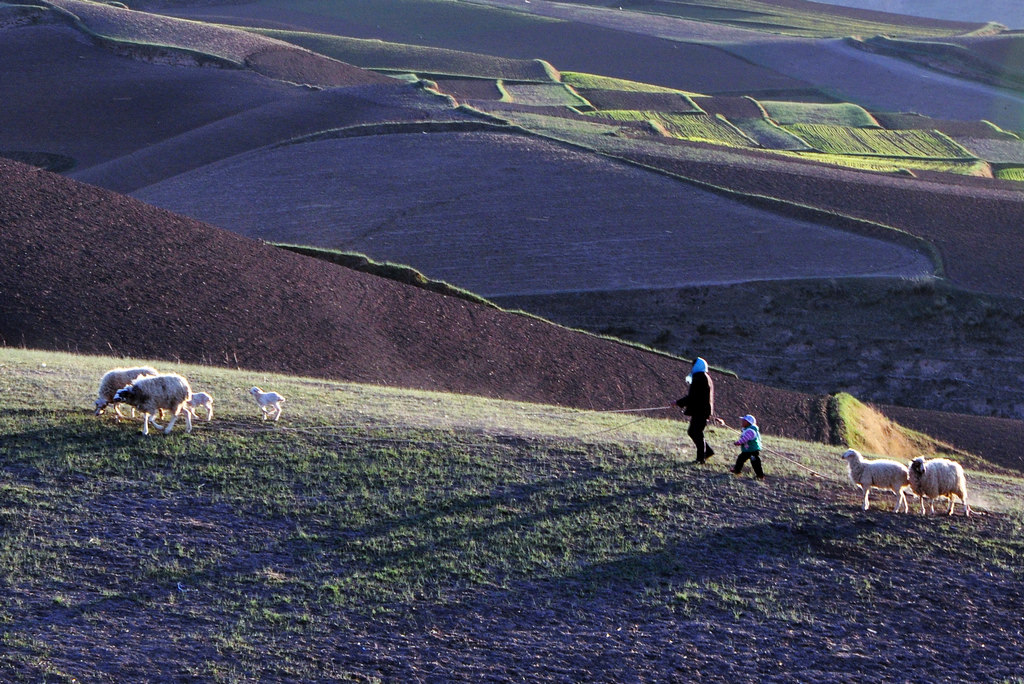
(515, 215)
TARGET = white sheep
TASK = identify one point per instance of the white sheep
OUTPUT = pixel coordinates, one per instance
(200, 399)
(151, 393)
(269, 402)
(939, 477)
(878, 473)
(113, 380)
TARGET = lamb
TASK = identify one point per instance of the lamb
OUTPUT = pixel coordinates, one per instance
(939, 477)
(878, 473)
(200, 399)
(269, 402)
(152, 393)
(113, 380)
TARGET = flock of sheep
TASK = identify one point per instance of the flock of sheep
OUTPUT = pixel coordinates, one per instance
(151, 392)
(929, 479)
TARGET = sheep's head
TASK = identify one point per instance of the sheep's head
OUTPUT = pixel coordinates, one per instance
(917, 465)
(101, 404)
(850, 454)
(255, 391)
(128, 394)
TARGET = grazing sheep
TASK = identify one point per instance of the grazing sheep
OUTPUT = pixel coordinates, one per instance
(878, 473)
(113, 380)
(152, 393)
(269, 402)
(200, 399)
(939, 477)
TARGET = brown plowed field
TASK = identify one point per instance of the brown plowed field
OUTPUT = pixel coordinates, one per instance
(514, 214)
(100, 106)
(974, 227)
(276, 122)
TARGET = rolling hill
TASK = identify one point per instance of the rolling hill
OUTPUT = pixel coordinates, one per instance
(461, 491)
(124, 277)
(383, 533)
(268, 166)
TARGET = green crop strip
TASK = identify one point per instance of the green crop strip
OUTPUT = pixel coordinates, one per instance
(916, 144)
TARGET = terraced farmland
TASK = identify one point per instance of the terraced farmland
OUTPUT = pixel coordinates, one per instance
(697, 127)
(786, 113)
(543, 95)
(879, 142)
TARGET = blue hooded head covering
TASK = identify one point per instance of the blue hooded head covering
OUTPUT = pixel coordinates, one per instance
(700, 366)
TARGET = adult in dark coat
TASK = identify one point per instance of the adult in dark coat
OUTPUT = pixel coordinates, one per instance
(699, 404)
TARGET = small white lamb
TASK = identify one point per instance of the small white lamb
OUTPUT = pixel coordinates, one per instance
(269, 402)
(113, 380)
(939, 477)
(200, 399)
(878, 473)
(151, 393)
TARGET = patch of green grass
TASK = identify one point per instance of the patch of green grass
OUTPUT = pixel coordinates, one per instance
(846, 140)
(578, 79)
(787, 113)
(696, 127)
(903, 166)
(543, 95)
(770, 135)
(1014, 173)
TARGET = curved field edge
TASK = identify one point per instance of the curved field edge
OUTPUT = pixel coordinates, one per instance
(429, 62)
(367, 510)
(784, 207)
(410, 276)
(146, 50)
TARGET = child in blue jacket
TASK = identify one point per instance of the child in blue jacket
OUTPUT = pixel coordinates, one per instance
(750, 447)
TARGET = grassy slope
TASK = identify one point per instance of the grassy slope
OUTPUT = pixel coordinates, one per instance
(382, 533)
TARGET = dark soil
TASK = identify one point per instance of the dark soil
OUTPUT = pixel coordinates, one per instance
(101, 106)
(972, 225)
(621, 99)
(570, 46)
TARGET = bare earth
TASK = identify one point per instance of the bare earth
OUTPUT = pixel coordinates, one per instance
(547, 218)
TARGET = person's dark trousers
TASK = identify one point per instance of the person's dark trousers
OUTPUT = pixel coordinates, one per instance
(755, 462)
(696, 433)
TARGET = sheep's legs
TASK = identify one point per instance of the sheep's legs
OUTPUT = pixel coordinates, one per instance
(867, 493)
(174, 419)
(148, 418)
(967, 506)
(901, 502)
